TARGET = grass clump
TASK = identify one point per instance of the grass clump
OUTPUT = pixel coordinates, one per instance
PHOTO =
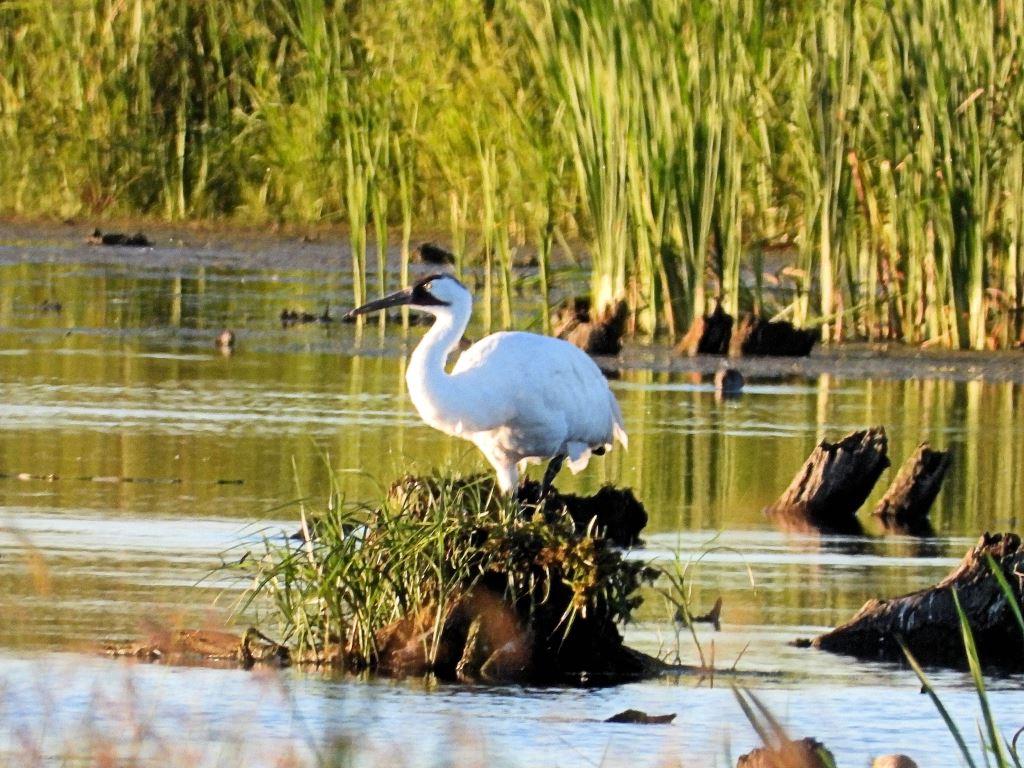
(446, 576)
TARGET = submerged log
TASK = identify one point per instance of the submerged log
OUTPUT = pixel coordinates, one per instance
(602, 335)
(926, 621)
(912, 492)
(639, 717)
(709, 335)
(756, 336)
(802, 753)
(835, 480)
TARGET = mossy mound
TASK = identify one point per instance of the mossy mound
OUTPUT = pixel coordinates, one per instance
(447, 577)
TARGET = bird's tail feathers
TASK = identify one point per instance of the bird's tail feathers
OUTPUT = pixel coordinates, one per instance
(618, 430)
(578, 456)
(621, 436)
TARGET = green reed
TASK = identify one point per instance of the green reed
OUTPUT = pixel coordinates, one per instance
(856, 166)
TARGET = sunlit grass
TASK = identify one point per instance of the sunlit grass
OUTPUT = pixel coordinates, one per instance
(357, 569)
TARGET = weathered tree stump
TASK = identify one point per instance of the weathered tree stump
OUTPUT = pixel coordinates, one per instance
(927, 623)
(912, 492)
(574, 322)
(804, 753)
(709, 335)
(757, 336)
(835, 481)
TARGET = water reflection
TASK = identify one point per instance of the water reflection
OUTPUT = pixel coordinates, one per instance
(118, 412)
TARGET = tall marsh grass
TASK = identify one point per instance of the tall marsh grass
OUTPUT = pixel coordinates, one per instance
(853, 165)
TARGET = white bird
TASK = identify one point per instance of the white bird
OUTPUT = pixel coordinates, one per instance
(519, 397)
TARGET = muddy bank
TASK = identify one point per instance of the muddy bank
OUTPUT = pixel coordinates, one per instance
(852, 361)
(232, 246)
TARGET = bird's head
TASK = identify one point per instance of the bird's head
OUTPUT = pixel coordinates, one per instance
(433, 294)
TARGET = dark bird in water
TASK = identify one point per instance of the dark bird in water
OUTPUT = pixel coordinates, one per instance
(429, 253)
(138, 240)
(728, 383)
(49, 305)
(519, 397)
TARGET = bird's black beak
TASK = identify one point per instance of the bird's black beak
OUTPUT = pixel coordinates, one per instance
(395, 299)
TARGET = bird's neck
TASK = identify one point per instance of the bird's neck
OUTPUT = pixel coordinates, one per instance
(432, 390)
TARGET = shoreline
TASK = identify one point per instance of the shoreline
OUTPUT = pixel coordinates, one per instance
(232, 245)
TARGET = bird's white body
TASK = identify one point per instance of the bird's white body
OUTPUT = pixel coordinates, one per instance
(518, 397)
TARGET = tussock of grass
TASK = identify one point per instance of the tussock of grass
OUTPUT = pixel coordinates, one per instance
(446, 576)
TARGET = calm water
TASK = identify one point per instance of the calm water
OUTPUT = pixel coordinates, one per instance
(132, 455)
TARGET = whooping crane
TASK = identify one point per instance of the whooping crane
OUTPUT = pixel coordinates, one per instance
(519, 397)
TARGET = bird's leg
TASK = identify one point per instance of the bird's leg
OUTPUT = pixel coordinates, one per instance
(549, 475)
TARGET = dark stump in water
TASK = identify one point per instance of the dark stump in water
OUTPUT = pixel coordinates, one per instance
(802, 753)
(600, 335)
(834, 482)
(709, 335)
(616, 513)
(926, 621)
(757, 336)
(908, 499)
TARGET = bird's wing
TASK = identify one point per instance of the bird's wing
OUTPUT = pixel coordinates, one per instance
(542, 385)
